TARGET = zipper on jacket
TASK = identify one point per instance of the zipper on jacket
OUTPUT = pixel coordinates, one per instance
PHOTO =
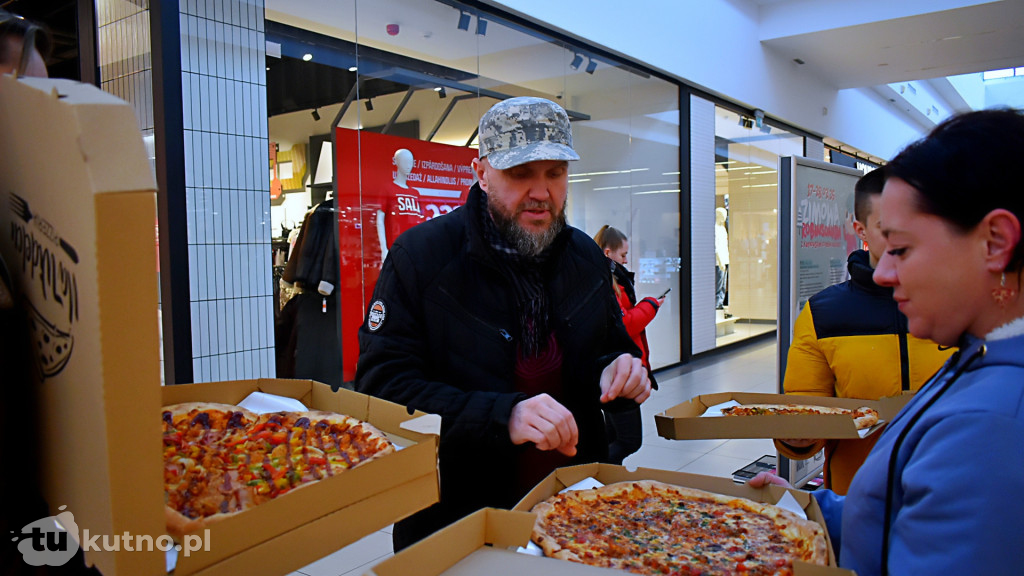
(486, 325)
(582, 302)
(904, 362)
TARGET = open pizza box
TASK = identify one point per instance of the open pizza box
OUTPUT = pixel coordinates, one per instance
(487, 542)
(77, 211)
(688, 421)
(289, 532)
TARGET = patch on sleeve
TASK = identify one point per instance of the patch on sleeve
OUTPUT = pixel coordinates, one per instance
(375, 319)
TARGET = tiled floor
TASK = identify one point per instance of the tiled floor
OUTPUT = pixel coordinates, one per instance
(750, 368)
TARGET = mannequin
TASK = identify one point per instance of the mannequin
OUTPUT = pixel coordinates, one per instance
(401, 204)
(721, 257)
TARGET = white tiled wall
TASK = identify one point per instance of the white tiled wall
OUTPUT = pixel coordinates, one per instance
(224, 104)
(226, 185)
(702, 221)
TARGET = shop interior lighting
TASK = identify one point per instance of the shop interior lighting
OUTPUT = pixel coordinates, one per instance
(353, 68)
(369, 104)
(481, 26)
(316, 115)
(745, 122)
(577, 60)
(307, 57)
(591, 66)
(441, 93)
(464, 21)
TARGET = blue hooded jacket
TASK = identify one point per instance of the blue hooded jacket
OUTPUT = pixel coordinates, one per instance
(956, 488)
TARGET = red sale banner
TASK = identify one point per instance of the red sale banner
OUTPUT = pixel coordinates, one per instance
(396, 182)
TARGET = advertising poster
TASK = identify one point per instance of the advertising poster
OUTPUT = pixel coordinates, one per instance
(370, 174)
(816, 235)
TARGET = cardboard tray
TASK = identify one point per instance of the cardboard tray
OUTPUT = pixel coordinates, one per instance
(287, 533)
(684, 421)
(484, 543)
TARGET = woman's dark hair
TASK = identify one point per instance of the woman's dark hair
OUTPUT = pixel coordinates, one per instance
(608, 237)
(967, 167)
(29, 33)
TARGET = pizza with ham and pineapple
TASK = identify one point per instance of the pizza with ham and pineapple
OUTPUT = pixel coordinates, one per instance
(220, 459)
(647, 527)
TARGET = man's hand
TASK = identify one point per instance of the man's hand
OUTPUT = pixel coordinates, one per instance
(546, 423)
(625, 377)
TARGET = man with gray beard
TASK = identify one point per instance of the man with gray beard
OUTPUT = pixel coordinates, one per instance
(500, 317)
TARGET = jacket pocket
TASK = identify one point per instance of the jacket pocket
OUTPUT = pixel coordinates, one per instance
(570, 318)
(449, 303)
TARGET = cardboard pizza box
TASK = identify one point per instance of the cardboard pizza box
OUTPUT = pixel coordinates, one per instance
(77, 211)
(485, 543)
(685, 421)
(286, 533)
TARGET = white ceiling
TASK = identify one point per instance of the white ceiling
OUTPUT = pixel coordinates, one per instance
(857, 44)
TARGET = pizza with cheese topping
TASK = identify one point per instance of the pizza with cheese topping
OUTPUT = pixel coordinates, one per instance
(648, 527)
(863, 417)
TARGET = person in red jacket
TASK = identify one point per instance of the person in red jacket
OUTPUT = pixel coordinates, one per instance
(625, 429)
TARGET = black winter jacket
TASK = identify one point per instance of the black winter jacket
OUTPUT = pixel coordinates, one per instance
(446, 344)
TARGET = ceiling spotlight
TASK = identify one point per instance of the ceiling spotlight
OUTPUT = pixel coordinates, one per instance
(464, 21)
(441, 93)
(316, 115)
(369, 105)
(746, 122)
(353, 68)
(481, 26)
(307, 57)
(591, 66)
(577, 60)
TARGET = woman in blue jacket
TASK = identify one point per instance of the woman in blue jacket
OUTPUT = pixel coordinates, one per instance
(943, 489)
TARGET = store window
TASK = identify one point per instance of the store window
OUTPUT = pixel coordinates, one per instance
(747, 152)
(406, 81)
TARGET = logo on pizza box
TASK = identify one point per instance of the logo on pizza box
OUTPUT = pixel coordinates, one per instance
(53, 541)
(48, 285)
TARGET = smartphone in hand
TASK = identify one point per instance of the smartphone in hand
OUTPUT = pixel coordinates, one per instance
(663, 294)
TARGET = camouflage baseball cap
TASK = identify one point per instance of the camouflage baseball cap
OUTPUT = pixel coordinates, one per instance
(525, 129)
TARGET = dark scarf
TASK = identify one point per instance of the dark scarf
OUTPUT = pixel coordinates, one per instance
(525, 274)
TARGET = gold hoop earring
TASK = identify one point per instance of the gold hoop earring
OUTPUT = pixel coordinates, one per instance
(1002, 294)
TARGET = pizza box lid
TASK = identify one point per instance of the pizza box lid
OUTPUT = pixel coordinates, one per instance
(685, 422)
(281, 535)
(78, 200)
(485, 542)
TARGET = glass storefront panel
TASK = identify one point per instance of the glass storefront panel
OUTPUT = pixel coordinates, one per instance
(746, 190)
(409, 80)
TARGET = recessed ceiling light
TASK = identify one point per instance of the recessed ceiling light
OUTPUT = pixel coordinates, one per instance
(307, 57)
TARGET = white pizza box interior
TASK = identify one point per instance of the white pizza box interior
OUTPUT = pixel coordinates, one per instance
(684, 421)
(485, 543)
(307, 524)
(77, 210)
